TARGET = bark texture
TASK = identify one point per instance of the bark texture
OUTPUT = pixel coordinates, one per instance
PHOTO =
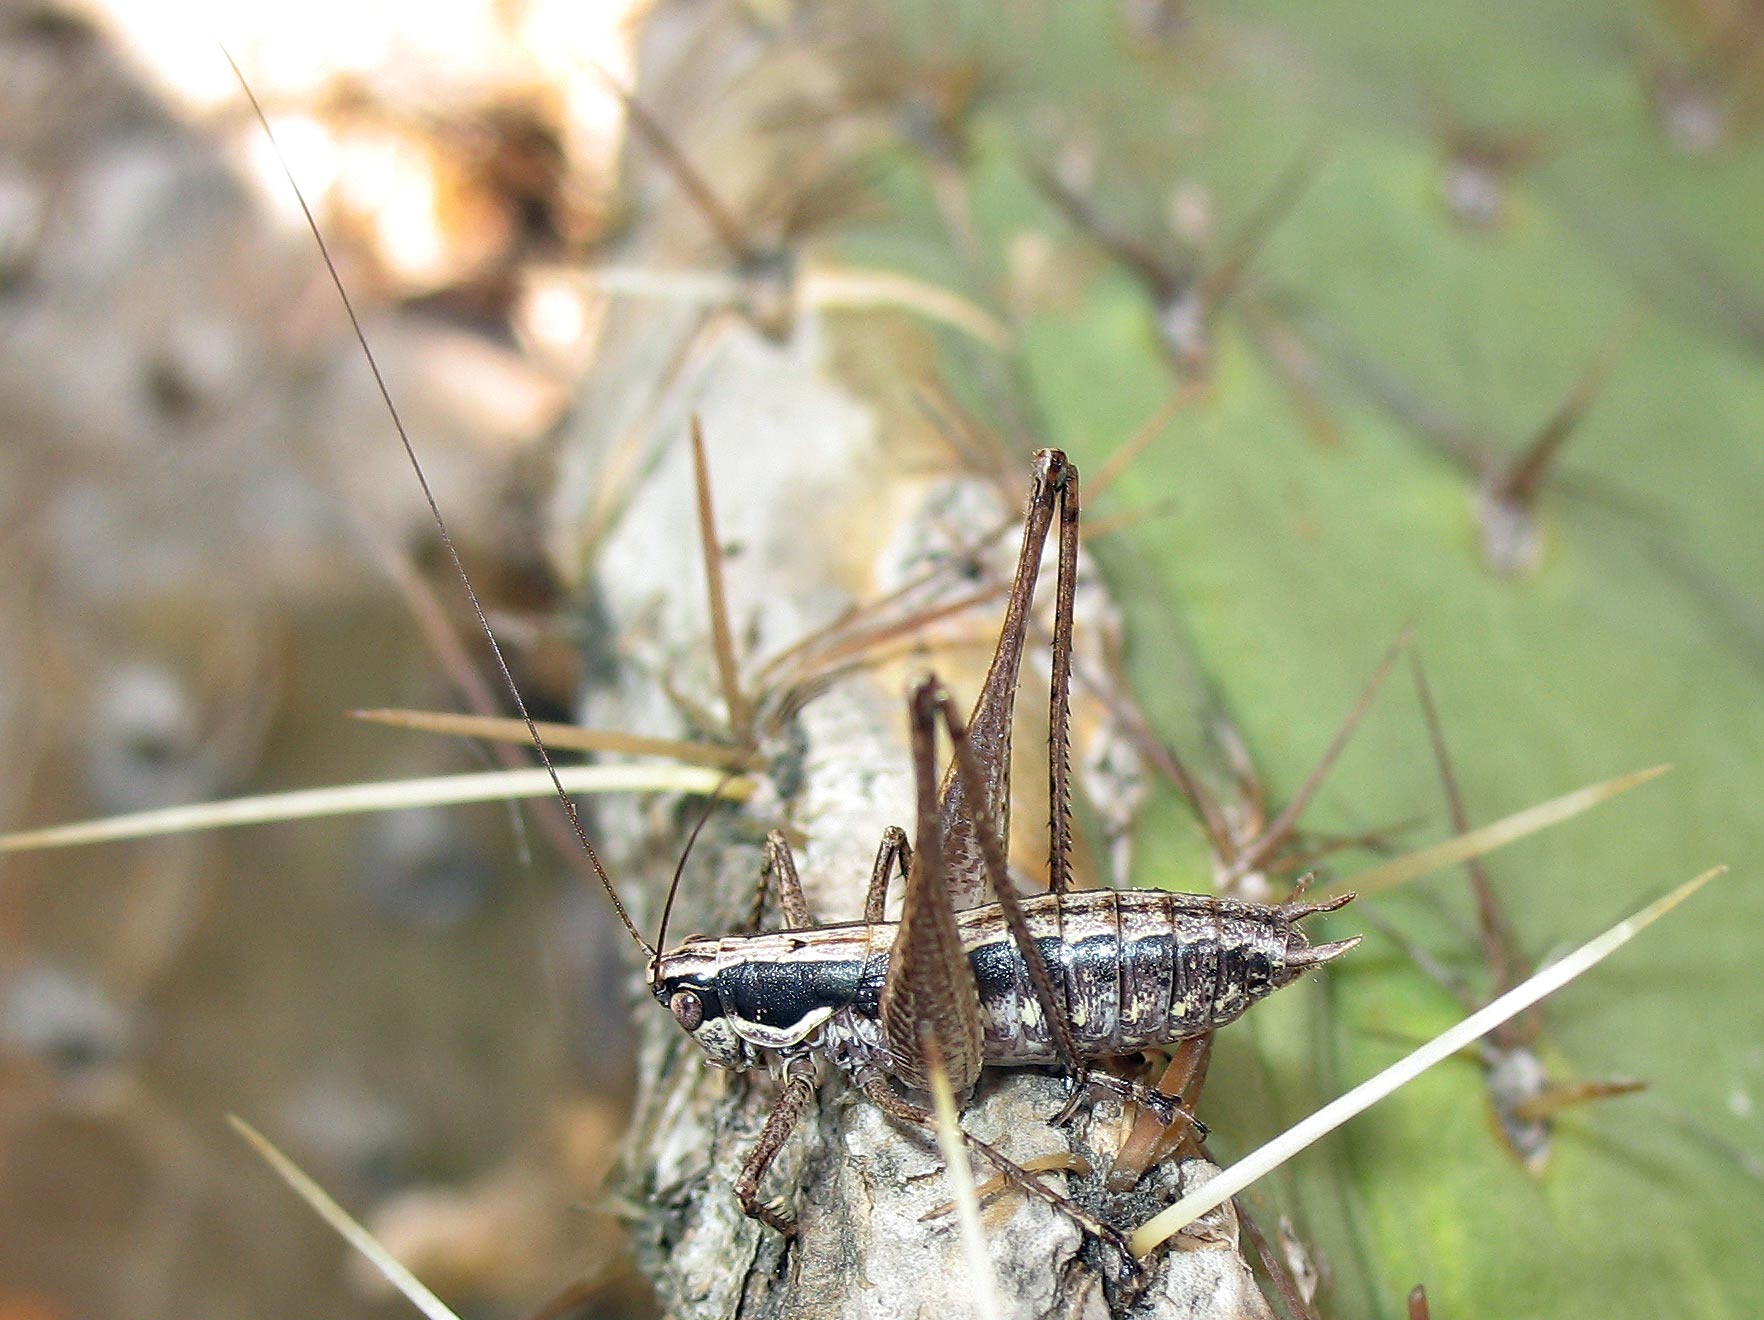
(819, 511)
(832, 488)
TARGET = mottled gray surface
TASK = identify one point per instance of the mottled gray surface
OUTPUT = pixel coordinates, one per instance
(791, 448)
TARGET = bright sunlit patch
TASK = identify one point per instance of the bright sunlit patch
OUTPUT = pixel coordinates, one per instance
(174, 44)
(365, 96)
(1476, 843)
(286, 50)
(312, 155)
(559, 318)
(568, 39)
(390, 181)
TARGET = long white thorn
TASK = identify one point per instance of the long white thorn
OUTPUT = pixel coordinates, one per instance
(967, 1203)
(1487, 838)
(340, 1219)
(1167, 1223)
(390, 795)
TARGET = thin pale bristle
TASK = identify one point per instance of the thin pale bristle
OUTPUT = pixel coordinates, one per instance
(1165, 1225)
(947, 1126)
(820, 285)
(1509, 829)
(340, 1219)
(389, 795)
(828, 286)
(572, 737)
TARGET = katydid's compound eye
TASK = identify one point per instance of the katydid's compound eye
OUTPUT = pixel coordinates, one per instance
(688, 1009)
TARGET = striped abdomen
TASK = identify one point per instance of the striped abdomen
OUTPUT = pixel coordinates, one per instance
(1135, 968)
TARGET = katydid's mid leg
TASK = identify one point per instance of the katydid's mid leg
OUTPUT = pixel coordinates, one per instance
(894, 850)
(780, 866)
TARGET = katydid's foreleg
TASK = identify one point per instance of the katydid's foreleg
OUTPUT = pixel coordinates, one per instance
(894, 850)
(799, 1089)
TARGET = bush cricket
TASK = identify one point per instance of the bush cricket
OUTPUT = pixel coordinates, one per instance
(1064, 978)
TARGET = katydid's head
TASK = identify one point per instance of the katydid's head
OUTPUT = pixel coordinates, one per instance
(748, 998)
(684, 981)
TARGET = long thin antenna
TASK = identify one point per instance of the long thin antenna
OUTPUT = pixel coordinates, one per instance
(435, 511)
(661, 935)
